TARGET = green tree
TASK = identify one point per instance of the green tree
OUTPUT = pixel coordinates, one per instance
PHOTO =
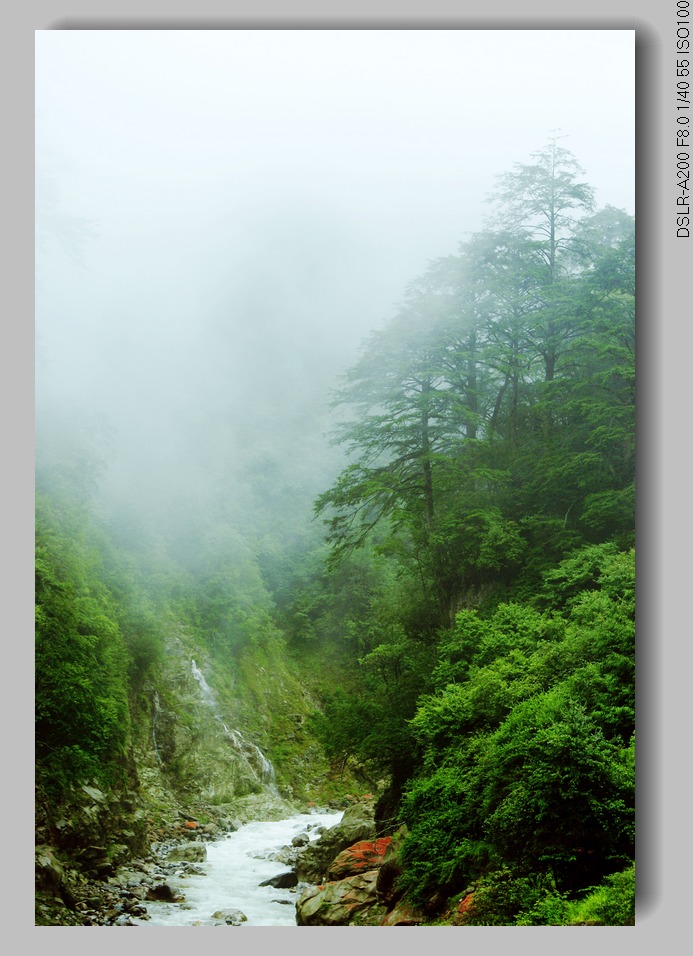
(81, 700)
(558, 795)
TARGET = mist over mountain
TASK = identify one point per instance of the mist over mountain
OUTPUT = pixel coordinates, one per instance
(223, 216)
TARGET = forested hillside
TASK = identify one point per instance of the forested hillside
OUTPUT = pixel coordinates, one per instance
(451, 627)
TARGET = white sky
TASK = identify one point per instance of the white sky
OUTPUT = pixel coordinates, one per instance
(260, 199)
(393, 129)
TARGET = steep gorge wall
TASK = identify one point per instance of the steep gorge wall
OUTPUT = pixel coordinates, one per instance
(196, 756)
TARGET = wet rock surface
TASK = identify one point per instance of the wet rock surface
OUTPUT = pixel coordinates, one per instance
(345, 877)
(360, 883)
(357, 824)
(282, 880)
(229, 917)
(114, 901)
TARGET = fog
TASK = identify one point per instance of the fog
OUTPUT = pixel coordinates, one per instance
(223, 216)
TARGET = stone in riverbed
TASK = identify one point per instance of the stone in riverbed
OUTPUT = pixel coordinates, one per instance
(164, 893)
(229, 917)
(192, 853)
(281, 881)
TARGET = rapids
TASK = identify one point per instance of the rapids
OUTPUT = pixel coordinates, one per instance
(234, 868)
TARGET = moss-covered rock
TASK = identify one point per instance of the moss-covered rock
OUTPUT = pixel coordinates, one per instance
(351, 901)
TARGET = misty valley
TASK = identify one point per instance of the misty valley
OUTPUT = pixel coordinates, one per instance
(352, 643)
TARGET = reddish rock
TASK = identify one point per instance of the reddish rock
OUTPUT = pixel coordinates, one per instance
(361, 856)
(315, 859)
(191, 825)
(463, 907)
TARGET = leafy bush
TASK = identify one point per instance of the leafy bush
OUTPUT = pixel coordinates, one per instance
(527, 746)
(503, 898)
(81, 702)
(445, 847)
(612, 903)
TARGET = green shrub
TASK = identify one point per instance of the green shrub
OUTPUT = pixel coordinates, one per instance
(81, 700)
(503, 898)
(612, 903)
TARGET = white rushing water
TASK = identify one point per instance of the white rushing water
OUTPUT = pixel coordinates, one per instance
(233, 870)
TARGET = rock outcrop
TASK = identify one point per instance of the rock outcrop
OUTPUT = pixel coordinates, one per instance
(357, 824)
(51, 876)
(348, 902)
(360, 857)
(403, 915)
(360, 887)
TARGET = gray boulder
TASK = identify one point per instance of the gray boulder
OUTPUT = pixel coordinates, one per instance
(349, 902)
(229, 917)
(192, 853)
(282, 881)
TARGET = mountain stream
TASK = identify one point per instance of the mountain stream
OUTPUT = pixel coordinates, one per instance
(229, 878)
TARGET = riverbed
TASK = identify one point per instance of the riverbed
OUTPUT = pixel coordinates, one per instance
(228, 880)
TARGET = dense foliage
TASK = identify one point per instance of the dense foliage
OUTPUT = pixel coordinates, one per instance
(527, 745)
(495, 413)
(82, 716)
(491, 437)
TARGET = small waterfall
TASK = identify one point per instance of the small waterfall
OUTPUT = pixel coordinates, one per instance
(259, 764)
(207, 692)
(250, 752)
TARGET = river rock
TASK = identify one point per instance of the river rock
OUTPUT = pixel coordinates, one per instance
(192, 853)
(229, 917)
(286, 855)
(138, 891)
(281, 881)
(348, 902)
(164, 893)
